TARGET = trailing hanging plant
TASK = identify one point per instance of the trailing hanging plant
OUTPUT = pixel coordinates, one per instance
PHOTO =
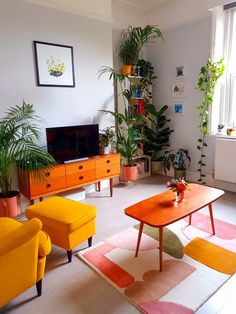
(209, 75)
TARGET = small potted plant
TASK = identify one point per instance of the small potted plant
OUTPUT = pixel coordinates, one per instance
(19, 134)
(179, 159)
(106, 140)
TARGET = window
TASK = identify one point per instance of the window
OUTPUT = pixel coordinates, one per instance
(224, 44)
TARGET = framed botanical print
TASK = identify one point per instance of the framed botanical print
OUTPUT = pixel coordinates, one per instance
(54, 64)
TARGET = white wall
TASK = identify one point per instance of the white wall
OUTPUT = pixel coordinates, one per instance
(20, 24)
(187, 45)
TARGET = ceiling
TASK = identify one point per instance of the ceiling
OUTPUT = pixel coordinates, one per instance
(143, 6)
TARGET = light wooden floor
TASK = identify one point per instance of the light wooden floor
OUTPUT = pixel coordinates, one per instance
(75, 288)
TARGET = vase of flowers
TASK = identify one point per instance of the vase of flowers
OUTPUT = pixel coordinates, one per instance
(178, 186)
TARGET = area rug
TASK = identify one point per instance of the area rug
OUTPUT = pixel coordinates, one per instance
(187, 280)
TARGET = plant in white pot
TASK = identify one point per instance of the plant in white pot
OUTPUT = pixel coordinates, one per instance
(179, 159)
(106, 140)
(19, 134)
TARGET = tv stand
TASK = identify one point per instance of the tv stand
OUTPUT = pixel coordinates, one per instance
(65, 177)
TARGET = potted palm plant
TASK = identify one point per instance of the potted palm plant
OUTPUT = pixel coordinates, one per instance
(157, 135)
(133, 40)
(179, 159)
(129, 136)
(19, 134)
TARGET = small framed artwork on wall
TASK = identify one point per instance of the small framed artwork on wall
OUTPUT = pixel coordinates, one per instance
(180, 71)
(178, 108)
(179, 90)
(54, 64)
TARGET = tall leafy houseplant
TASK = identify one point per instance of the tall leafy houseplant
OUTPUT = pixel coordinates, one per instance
(133, 40)
(158, 133)
(209, 75)
(128, 134)
(19, 134)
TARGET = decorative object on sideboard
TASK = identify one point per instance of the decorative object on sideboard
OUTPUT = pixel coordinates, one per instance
(54, 64)
(19, 135)
(107, 140)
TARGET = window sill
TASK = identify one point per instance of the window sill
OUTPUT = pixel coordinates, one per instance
(224, 136)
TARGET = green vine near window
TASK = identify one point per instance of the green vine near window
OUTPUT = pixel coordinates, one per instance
(209, 75)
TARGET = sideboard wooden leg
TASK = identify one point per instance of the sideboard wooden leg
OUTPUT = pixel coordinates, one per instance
(111, 187)
(98, 186)
(41, 199)
(32, 202)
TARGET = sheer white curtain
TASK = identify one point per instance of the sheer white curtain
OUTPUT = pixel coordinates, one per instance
(224, 45)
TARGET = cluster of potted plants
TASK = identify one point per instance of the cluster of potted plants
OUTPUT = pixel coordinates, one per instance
(19, 135)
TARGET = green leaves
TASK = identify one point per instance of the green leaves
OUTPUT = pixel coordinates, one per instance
(209, 74)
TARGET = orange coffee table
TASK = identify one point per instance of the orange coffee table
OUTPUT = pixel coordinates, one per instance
(161, 210)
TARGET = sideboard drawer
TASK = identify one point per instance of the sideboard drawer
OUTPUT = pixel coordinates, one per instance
(107, 171)
(106, 161)
(80, 166)
(47, 186)
(81, 177)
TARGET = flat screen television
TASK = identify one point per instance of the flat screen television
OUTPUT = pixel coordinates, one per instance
(70, 143)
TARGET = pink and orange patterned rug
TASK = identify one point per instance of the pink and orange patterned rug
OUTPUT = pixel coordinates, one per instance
(188, 278)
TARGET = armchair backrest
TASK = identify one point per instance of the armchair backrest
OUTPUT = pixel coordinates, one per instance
(18, 258)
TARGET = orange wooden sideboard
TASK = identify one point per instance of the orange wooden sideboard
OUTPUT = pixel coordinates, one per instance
(65, 177)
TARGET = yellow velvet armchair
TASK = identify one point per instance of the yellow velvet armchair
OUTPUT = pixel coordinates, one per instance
(23, 251)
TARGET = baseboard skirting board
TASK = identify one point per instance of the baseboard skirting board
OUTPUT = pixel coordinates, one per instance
(193, 176)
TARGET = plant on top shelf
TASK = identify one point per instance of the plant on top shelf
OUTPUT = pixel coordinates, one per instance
(19, 134)
(209, 75)
(106, 139)
(133, 39)
(179, 159)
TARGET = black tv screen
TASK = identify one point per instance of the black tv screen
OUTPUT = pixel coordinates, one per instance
(73, 142)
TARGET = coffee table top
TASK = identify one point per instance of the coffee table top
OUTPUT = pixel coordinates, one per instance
(161, 210)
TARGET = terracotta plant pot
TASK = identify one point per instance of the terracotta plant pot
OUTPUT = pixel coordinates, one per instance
(10, 206)
(130, 173)
(126, 69)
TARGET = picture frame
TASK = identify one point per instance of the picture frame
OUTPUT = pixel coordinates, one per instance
(180, 71)
(54, 64)
(178, 108)
(179, 90)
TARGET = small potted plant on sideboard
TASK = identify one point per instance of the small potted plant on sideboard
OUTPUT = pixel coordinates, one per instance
(107, 140)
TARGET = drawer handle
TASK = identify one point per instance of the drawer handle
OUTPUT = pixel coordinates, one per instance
(47, 174)
(48, 185)
(108, 170)
(108, 161)
(81, 167)
(81, 177)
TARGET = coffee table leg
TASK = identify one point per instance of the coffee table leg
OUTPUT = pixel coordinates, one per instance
(212, 219)
(139, 237)
(160, 247)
